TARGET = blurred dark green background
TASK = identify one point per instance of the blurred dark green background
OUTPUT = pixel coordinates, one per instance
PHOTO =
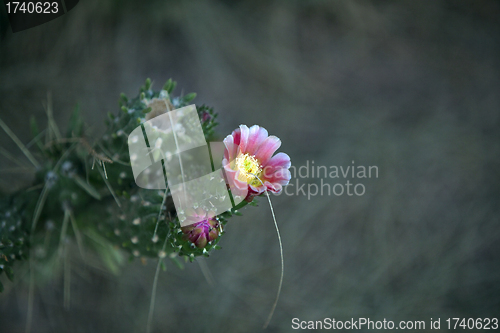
(412, 87)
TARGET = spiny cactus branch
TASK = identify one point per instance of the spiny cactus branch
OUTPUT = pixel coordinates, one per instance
(104, 207)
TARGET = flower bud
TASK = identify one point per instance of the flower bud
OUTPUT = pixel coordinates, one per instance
(202, 232)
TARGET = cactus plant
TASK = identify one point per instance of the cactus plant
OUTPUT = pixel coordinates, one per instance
(85, 189)
(85, 193)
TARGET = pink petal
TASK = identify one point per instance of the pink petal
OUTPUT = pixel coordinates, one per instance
(281, 160)
(256, 136)
(281, 176)
(244, 138)
(276, 188)
(257, 189)
(229, 174)
(267, 149)
(237, 136)
(240, 185)
(231, 148)
(237, 186)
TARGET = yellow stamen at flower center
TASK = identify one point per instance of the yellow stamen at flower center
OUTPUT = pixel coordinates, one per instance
(248, 166)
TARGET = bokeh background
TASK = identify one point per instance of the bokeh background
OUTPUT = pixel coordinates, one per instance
(412, 87)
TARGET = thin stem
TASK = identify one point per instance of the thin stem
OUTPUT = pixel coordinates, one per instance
(206, 271)
(36, 140)
(112, 158)
(178, 150)
(109, 187)
(5, 153)
(104, 168)
(62, 237)
(34, 187)
(30, 296)
(18, 142)
(153, 292)
(281, 254)
(38, 210)
(78, 236)
(67, 279)
(50, 116)
(159, 213)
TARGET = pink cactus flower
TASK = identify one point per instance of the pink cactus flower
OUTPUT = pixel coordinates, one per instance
(248, 155)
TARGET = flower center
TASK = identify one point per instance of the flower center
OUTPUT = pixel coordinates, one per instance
(248, 166)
